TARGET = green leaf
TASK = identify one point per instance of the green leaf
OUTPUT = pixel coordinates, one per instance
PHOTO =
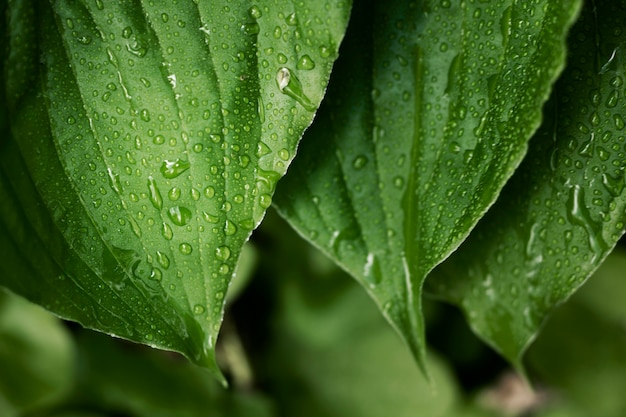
(146, 142)
(582, 350)
(563, 211)
(130, 380)
(412, 148)
(330, 352)
(36, 357)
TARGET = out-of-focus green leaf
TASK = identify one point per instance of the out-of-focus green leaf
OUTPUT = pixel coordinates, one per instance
(428, 115)
(581, 352)
(563, 211)
(340, 358)
(146, 142)
(36, 357)
(131, 380)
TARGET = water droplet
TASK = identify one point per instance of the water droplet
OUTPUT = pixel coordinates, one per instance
(114, 181)
(174, 193)
(172, 169)
(305, 63)
(277, 32)
(163, 260)
(371, 270)
(291, 20)
(198, 309)
(579, 214)
(262, 149)
(613, 99)
(127, 32)
(613, 185)
(180, 216)
(154, 194)
(224, 269)
(167, 232)
(324, 51)
(359, 162)
(255, 12)
(265, 200)
(230, 228)
(210, 218)
(289, 84)
(398, 182)
(281, 58)
(283, 154)
(222, 253)
(251, 28)
(195, 194)
(185, 248)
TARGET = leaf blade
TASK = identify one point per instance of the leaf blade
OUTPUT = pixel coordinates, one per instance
(401, 183)
(159, 158)
(560, 215)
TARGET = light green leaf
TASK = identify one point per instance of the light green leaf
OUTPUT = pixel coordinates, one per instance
(581, 352)
(563, 211)
(407, 156)
(36, 357)
(146, 142)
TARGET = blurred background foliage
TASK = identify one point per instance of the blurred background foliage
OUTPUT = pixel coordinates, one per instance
(301, 338)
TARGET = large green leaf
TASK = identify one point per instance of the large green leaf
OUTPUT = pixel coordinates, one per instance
(564, 209)
(146, 142)
(413, 147)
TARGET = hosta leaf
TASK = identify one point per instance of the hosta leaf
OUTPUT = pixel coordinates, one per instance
(563, 211)
(146, 142)
(407, 156)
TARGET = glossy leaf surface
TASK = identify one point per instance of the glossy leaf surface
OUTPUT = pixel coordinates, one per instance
(564, 209)
(146, 142)
(427, 117)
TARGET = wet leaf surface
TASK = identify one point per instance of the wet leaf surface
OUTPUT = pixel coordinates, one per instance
(146, 142)
(563, 211)
(411, 149)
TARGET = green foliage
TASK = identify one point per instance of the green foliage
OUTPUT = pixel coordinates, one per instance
(470, 151)
(160, 135)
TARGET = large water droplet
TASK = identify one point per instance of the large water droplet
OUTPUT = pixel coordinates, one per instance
(167, 232)
(230, 228)
(154, 194)
(371, 270)
(179, 215)
(163, 260)
(289, 84)
(172, 169)
(305, 63)
(579, 214)
(185, 248)
(222, 253)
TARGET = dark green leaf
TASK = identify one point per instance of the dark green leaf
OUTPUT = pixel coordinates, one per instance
(427, 117)
(564, 209)
(146, 142)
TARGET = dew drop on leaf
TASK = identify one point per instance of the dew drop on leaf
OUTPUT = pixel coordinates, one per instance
(172, 169)
(185, 248)
(179, 215)
(154, 194)
(289, 84)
